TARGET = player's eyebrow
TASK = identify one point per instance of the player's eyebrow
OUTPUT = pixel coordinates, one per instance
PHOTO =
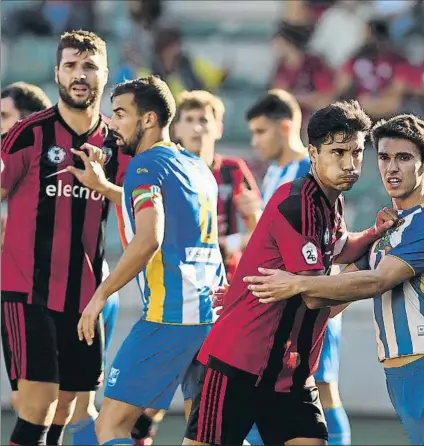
(117, 109)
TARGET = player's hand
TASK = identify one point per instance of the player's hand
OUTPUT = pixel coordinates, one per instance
(248, 202)
(93, 175)
(386, 218)
(273, 285)
(218, 298)
(87, 322)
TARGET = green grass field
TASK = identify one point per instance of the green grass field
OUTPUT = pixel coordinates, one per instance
(365, 431)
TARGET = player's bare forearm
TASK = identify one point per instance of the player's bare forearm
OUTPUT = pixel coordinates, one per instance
(134, 259)
(112, 192)
(358, 285)
(356, 245)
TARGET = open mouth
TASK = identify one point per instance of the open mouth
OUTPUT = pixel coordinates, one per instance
(394, 182)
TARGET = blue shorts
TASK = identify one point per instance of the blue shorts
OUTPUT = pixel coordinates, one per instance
(328, 368)
(110, 313)
(406, 390)
(152, 362)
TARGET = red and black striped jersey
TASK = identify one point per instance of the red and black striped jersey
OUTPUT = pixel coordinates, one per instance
(231, 175)
(279, 342)
(54, 241)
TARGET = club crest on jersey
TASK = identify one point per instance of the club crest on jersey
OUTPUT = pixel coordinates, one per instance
(225, 191)
(107, 152)
(56, 155)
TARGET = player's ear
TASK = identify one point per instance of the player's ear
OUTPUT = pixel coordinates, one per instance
(219, 130)
(106, 75)
(313, 153)
(285, 126)
(56, 70)
(150, 119)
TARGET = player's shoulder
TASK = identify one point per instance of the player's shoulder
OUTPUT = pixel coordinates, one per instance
(296, 201)
(411, 223)
(21, 135)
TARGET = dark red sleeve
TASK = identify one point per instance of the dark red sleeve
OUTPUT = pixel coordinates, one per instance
(297, 244)
(15, 154)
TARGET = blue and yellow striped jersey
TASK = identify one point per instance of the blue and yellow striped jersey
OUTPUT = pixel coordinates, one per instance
(175, 284)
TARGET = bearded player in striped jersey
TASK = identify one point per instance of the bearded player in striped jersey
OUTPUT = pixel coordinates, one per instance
(392, 273)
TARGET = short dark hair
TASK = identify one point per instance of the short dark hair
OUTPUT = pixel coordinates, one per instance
(195, 99)
(151, 93)
(28, 98)
(277, 104)
(403, 126)
(345, 117)
(82, 41)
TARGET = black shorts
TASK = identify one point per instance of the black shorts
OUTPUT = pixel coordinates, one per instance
(228, 404)
(42, 345)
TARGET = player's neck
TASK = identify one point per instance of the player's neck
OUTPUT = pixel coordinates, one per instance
(80, 121)
(150, 139)
(294, 151)
(412, 200)
(294, 59)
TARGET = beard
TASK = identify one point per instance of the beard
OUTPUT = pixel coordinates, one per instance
(65, 95)
(129, 147)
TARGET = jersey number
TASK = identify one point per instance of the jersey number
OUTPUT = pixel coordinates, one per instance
(207, 220)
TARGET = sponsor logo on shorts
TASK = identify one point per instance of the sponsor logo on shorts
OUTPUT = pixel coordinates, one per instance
(310, 253)
(113, 376)
(420, 330)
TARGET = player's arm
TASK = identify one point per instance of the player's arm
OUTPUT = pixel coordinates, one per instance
(149, 223)
(358, 285)
(402, 263)
(350, 245)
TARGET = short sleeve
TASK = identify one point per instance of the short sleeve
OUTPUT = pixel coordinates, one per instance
(299, 251)
(411, 247)
(363, 263)
(143, 181)
(15, 155)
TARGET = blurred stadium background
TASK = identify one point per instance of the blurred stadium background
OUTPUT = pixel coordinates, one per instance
(317, 49)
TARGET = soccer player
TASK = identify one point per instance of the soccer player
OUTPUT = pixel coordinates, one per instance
(18, 101)
(198, 125)
(261, 359)
(275, 123)
(53, 246)
(169, 207)
(393, 275)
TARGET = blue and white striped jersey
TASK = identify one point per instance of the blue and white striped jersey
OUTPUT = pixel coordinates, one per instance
(276, 176)
(399, 313)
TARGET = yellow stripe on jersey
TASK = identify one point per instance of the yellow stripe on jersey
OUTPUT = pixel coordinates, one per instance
(155, 280)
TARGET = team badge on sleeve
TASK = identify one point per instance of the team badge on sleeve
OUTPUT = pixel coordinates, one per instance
(310, 253)
(145, 196)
